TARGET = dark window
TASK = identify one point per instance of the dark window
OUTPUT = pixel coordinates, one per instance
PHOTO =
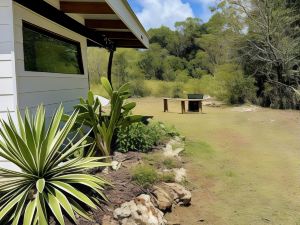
(45, 51)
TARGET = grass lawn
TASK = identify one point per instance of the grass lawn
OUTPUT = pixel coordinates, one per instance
(244, 167)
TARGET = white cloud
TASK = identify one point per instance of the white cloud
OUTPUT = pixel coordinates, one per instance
(156, 13)
(205, 4)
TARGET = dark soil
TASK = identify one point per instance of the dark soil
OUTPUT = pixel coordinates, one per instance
(122, 189)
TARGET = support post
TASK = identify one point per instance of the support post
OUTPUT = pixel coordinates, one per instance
(166, 108)
(183, 107)
(110, 61)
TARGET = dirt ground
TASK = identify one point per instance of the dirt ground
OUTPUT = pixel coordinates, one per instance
(243, 164)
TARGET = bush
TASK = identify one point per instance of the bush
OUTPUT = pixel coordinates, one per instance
(104, 125)
(177, 90)
(142, 138)
(229, 84)
(171, 163)
(145, 175)
(164, 89)
(168, 177)
(139, 89)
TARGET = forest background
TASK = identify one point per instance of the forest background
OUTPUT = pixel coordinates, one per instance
(249, 51)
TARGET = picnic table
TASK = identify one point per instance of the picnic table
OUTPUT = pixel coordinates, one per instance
(182, 100)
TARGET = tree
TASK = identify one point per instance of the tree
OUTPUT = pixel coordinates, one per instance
(272, 49)
(151, 62)
(120, 67)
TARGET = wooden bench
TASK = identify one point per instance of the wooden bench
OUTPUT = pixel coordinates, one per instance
(182, 100)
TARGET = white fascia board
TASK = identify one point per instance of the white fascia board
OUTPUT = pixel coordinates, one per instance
(125, 13)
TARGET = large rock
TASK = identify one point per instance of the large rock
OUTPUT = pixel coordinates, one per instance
(181, 195)
(168, 193)
(139, 211)
(108, 220)
(164, 197)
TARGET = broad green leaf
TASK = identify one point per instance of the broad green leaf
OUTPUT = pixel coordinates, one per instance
(91, 98)
(53, 204)
(107, 86)
(29, 213)
(10, 205)
(40, 185)
(64, 202)
(74, 192)
(41, 210)
(79, 210)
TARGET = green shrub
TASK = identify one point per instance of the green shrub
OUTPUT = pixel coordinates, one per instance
(138, 137)
(142, 138)
(49, 182)
(105, 124)
(171, 163)
(177, 90)
(164, 89)
(139, 89)
(167, 177)
(145, 175)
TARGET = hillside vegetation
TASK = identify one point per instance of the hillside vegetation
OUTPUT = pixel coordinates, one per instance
(247, 51)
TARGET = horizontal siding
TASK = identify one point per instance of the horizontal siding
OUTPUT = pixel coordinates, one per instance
(7, 103)
(5, 33)
(49, 89)
(49, 97)
(6, 86)
(37, 84)
(51, 108)
(6, 68)
(4, 15)
(5, 3)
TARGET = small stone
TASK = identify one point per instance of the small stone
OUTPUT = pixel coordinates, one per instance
(180, 174)
(105, 170)
(115, 165)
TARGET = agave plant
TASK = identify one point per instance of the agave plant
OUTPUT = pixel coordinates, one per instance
(50, 181)
(104, 125)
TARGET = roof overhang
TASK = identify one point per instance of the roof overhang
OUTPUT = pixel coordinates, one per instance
(106, 23)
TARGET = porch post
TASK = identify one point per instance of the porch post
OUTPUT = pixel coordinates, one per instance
(110, 61)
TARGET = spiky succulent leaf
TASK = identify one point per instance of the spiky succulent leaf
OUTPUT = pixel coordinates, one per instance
(48, 180)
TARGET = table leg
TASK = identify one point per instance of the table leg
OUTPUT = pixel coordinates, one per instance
(200, 104)
(182, 107)
(166, 108)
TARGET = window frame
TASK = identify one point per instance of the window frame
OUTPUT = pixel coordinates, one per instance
(58, 37)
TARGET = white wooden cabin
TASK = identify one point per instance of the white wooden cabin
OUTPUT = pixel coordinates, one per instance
(43, 48)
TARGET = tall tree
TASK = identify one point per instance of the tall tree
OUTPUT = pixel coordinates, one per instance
(272, 49)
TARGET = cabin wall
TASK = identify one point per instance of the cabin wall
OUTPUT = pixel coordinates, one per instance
(8, 98)
(51, 89)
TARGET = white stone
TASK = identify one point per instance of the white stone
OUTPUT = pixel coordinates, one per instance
(139, 211)
(115, 165)
(180, 174)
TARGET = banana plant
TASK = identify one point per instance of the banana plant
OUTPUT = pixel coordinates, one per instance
(50, 181)
(103, 124)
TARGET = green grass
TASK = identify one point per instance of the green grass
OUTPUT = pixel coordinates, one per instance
(244, 167)
(145, 175)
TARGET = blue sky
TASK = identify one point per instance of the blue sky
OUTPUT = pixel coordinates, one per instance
(154, 13)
